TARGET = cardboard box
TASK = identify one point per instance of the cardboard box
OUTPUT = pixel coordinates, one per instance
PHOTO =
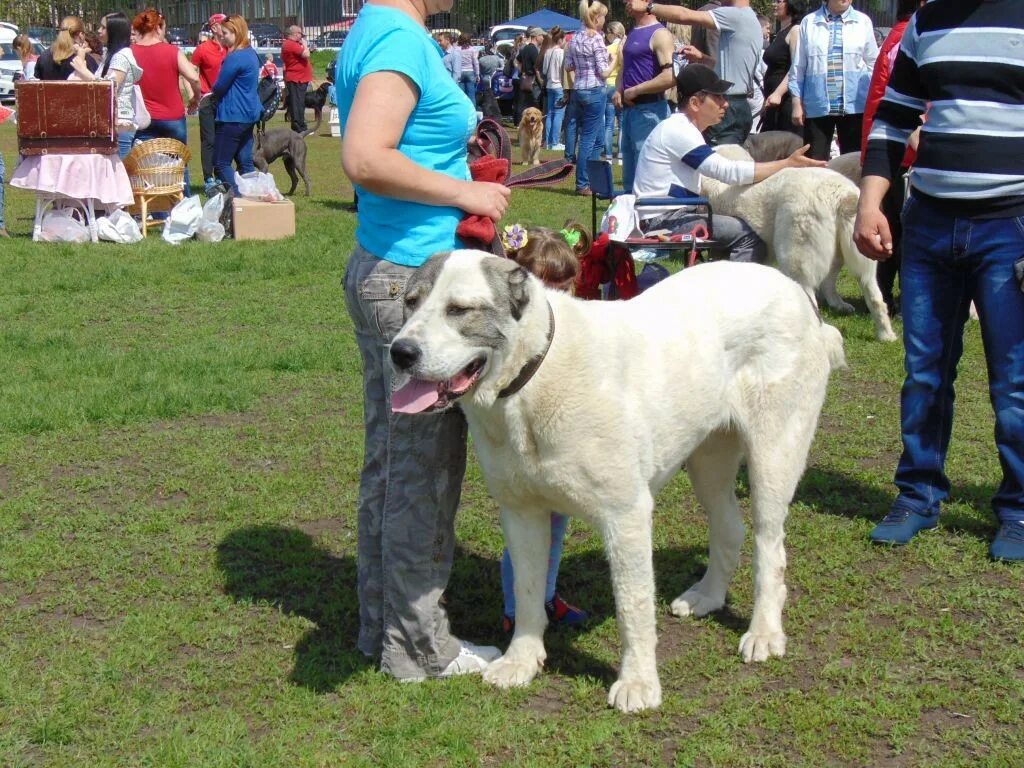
(256, 220)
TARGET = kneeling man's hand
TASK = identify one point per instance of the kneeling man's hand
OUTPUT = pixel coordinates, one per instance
(799, 159)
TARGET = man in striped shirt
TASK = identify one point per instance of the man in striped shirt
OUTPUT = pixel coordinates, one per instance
(963, 236)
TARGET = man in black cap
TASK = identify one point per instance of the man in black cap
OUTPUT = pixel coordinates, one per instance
(675, 155)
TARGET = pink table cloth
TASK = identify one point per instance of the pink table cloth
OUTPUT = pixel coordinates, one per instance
(99, 177)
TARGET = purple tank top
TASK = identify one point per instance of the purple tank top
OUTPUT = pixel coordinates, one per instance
(638, 61)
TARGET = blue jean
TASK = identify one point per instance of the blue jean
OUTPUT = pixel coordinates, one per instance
(571, 127)
(467, 82)
(589, 106)
(124, 144)
(611, 112)
(637, 123)
(232, 141)
(559, 525)
(167, 129)
(948, 262)
(553, 118)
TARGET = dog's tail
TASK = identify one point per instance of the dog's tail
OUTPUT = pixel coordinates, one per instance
(832, 340)
(846, 219)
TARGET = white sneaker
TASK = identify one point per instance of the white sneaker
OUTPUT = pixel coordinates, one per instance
(558, 148)
(471, 659)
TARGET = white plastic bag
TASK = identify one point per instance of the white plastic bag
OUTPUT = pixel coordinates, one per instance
(118, 227)
(63, 225)
(621, 220)
(183, 220)
(210, 229)
(142, 117)
(259, 186)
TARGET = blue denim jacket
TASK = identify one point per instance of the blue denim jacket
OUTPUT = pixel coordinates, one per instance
(810, 66)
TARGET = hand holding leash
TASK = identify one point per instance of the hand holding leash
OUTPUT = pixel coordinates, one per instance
(484, 198)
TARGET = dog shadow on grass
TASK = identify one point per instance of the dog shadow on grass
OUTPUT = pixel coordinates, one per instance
(288, 569)
(846, 496)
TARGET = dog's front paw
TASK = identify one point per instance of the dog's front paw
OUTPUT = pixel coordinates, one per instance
(509, 673)
(758, 647)
(887, 336)
(635, 695)
(693, 602)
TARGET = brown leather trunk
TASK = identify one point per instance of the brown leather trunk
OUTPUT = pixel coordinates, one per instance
(66, 117)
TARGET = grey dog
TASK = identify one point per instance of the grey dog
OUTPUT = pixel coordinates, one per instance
(772, 145)
(286, 144)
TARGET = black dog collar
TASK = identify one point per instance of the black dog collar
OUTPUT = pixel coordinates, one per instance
(533, 364)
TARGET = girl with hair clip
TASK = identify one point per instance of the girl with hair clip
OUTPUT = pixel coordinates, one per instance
(118, 65)
(554, 257)
(55, 62)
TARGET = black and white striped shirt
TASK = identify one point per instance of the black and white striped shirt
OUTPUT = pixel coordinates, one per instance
(963, 60)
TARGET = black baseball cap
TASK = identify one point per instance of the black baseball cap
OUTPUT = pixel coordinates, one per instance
(694, 78)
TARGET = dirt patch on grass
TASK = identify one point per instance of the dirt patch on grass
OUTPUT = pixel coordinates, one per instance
(551, 699)
(319, 528)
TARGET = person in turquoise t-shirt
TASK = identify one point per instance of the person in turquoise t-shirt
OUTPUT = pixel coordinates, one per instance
(405, 125)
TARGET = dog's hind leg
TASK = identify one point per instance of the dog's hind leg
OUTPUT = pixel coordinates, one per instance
(778, 438)
(627, 537)
(300, 164)
(528, 537)
(712, 468)
(289, 165)
(830, 292)
(866, 272)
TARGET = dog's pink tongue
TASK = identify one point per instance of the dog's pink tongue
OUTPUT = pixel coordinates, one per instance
(414, 397)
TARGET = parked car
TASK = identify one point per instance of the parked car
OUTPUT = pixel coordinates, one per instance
(502, 32)
(331, 40)
(178, 36)
(45, 35)
(265, 35)
(10, 63)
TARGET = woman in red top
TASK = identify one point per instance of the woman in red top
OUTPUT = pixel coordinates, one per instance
(162, 64)
(892, 204)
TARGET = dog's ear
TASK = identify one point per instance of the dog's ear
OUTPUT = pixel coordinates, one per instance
(518, 291)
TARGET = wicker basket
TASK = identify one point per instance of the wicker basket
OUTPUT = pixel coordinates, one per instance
(156, 169)
(157, 166)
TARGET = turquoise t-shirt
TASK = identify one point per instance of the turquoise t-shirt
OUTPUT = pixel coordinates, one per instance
(384, 39)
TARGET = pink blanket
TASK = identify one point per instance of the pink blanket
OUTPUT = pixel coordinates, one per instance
(101, 177)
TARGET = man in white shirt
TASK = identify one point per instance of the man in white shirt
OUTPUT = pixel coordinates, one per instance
(676, 154)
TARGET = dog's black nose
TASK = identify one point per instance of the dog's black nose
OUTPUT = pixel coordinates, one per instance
(404, 354)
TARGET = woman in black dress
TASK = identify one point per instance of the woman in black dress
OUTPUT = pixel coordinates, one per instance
(778, 104)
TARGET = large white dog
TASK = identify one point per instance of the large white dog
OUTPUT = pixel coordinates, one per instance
(805, 216)
(721, 363)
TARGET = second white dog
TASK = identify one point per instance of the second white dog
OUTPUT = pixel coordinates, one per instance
(805, 216)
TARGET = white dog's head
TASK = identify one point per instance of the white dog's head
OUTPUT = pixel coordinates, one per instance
(468, 330)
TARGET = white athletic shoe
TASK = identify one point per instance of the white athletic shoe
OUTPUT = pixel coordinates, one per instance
(471, 660)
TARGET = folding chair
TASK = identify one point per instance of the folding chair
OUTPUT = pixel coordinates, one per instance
(602, 188)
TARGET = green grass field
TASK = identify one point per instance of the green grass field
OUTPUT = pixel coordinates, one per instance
(180, 443)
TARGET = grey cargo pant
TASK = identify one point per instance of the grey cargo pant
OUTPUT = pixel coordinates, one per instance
(409, 491)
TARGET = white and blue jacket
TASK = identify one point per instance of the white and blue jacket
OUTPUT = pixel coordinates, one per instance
(808, 73)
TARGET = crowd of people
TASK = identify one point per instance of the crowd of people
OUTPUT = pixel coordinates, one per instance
(157, 85)
(406, 107)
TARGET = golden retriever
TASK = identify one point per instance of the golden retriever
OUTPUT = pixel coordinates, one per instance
(531, 135)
